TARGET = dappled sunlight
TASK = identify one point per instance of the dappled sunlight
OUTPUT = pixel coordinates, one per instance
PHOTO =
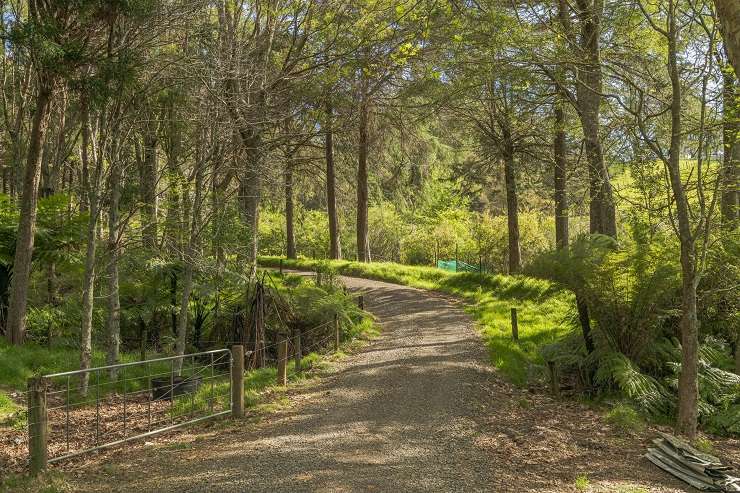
(420, 409)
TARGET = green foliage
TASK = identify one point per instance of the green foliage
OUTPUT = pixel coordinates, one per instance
(704, 445)
(645, 390)
(625, 419)
(58, 231)
(633, 295)
(318, 305)
(542, 309)
(7, 408)
(438, 225)
(18, 364)
(630, 291)
(725, 422)
(582, 483)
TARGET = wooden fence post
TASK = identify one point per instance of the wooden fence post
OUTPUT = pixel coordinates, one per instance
(361, 302)
(297, 351)
(337, 333)
(237, 381)
(37, 426)
(283, 362)
(514, 326)
(281, 267)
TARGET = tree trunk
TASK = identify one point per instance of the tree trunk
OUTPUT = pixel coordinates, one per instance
(289, 231)
(192, 216)
(52, 158)
(688, 389)
(252, 205)
(602, 212)
(88, 286)
(217, 239)
(182, 327)
(52, 288)
(149, 199)
(561, 194)
(728, 14)
(363, 246)
(112, 323)
(335, 246)
(173, 221)
(512, 209)
(730, 202)
(585, 321)
(16, 325)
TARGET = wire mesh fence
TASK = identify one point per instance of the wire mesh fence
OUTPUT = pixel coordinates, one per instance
(75, 412)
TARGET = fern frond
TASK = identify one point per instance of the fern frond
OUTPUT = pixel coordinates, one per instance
(644, 389)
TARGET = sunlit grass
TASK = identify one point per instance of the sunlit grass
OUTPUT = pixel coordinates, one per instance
(7, 407)
(543, 311)
(582, 483)
(19, 363)
(216, 396)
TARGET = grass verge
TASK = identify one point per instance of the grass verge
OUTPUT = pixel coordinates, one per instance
(543, 311)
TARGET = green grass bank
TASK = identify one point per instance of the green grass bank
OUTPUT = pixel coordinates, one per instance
(543, 310)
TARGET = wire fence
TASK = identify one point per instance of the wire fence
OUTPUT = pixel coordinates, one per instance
(78, 412)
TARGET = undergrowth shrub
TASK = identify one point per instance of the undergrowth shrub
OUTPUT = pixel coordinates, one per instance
(625, 418)
(632, 292)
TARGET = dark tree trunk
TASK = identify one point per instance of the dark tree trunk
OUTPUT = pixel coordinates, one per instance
(728, 14)
(585, 320)
(290, 250)
(149, 177)
(173, 302)
(688, 382)
(174, 227)
(561, 172)
(335, 246)
(587, 105)
(16, 324)
(602, 212)
(730, 203)
(252, 199)
(88, 287)
(512, 208)
(363, 246)
(113, 319)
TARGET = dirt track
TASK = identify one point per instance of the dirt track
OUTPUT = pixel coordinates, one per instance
(420, 409)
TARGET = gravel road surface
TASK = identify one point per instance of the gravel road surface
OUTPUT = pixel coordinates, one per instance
(420, 409)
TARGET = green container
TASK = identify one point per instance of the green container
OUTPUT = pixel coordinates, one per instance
(456, 266)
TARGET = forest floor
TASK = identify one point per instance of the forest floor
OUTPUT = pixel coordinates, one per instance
(420, 409)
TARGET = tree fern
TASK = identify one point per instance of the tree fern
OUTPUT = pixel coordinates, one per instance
(645, 390)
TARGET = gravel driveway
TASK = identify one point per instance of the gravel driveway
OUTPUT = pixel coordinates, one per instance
(420, 409)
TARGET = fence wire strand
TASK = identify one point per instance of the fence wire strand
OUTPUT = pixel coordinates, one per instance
(114, 407)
